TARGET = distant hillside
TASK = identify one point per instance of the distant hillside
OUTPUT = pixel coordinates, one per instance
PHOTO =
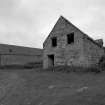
(13, 49)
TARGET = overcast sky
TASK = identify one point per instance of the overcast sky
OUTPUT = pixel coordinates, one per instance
(28, 22)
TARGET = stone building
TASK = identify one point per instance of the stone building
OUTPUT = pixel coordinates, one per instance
(68, 45)
(18, 55)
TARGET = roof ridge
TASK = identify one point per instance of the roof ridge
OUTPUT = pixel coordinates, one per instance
(91, 39)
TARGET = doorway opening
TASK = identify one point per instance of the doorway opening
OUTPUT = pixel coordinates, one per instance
(51, 60)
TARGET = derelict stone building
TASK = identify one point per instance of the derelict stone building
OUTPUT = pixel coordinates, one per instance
(67, 45)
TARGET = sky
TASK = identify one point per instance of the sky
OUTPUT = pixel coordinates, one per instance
(28, 22)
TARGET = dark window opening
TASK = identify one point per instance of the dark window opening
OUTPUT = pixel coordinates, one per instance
(54, 42)
(70, 38)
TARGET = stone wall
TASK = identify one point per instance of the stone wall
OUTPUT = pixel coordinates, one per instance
(63, 52)
(92, 51)
(74, 52)
(83, 52)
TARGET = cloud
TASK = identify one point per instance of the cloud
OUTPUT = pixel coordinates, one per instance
(92, 22)
(28, 22)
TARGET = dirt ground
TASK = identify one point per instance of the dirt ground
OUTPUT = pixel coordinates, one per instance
(30, 87)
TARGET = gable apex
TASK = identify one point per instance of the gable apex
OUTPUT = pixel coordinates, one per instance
(62, 18)
(61, 22)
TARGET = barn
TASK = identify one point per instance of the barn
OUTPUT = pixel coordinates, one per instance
(68, 45)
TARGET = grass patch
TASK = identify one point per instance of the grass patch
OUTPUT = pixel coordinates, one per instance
(28, 87)
(68, 69)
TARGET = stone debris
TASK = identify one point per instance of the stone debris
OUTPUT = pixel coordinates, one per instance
(57, 86)
(51, 86)
(82, 89)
